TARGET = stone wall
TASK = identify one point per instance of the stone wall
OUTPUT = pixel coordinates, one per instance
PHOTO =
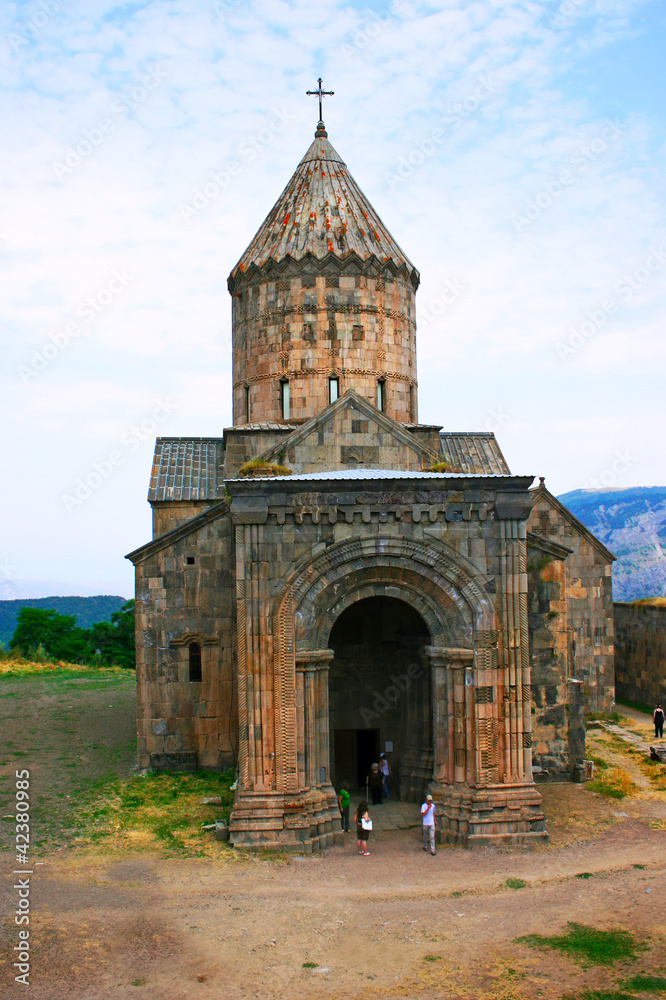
(640, 653)
(177, 603)
(305, 328)
(589, 598)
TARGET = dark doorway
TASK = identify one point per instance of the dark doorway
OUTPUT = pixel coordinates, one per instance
(379, 694)
(355, 752)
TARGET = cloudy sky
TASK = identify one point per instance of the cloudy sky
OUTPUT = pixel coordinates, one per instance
(514, 149)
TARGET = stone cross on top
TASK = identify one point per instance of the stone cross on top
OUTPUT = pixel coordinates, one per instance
(320, 93)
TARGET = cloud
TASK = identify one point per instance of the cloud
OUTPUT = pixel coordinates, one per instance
(401, 71)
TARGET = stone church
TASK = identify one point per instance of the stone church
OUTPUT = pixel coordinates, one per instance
(331, 579)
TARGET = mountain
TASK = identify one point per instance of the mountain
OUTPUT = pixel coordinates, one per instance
(87, 610)
(632, 524)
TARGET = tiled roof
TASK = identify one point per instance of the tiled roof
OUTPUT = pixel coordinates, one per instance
(379, 474)
(473, 452)
(322, 210)
(187, 469)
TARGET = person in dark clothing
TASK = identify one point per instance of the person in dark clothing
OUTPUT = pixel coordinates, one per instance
(658, 719)
(376, 784)
(363, 826)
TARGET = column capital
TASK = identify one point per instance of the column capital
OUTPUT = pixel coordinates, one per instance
(448, 656)
(314, 659)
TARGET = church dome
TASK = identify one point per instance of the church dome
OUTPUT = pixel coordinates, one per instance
(323, 211)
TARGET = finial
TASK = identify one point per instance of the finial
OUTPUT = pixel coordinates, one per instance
(321, 132)
(542, 480)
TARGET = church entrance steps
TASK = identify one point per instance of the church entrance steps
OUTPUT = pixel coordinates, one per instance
(390, 815)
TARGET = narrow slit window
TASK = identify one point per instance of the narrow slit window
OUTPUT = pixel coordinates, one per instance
(284, 400)
(381, 395)
(247, 404)
(333, 389)
(195, 661)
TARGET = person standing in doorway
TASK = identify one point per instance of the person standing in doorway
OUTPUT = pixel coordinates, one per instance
(429, 823)
(343, 805)
(385, 768)
(658, 719)
(375, 784)
(363, 827)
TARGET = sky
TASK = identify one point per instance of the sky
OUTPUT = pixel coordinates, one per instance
(515, 150)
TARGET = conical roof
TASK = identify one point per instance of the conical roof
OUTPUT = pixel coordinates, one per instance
(323, 211)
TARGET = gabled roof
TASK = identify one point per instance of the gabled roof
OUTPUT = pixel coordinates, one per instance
(322, 210)
(351, 399)
(470, 451)
(540, 492)
(187, 469)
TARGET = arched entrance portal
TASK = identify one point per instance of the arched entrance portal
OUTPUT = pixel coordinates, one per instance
(380, 695)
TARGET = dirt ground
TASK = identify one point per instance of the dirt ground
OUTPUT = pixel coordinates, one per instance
(400, 923)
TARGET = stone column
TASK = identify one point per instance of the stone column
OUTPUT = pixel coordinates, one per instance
(451, 719)
(313, 667)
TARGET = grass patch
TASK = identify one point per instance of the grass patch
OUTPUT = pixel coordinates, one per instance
(310, 965)
(515, 883)
(590, 946)
(627, 989)
(12, 667)
(432, 958)
(640, 867)
(644, 982)
(614, 783)
(599, 762)
(156, 811)
(141, 981)
(585, 875)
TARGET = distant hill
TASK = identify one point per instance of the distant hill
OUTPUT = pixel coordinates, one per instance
(632, 524)
(87, 610)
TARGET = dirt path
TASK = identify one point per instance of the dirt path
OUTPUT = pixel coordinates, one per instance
(397, 924)
(112, 926)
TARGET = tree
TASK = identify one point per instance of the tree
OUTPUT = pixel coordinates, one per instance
(115, 639)
(61, 637)
(59, 634)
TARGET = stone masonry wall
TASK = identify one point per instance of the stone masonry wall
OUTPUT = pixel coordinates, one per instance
(640, 653)
(308, 327)
(589, 599)
(177, 602)
(549, 658)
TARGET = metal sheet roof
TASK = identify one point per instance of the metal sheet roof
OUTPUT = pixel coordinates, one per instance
(345, 474)
(187, 469)
(474, 452)
(322, 210)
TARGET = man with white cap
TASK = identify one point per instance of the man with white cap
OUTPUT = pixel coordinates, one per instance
(429, 824)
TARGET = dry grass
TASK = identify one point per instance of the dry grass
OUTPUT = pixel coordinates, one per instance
(615, 782)
(13, 665)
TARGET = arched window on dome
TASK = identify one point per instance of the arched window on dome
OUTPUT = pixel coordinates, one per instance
(285, 401)
(333, 389)
(195, 661)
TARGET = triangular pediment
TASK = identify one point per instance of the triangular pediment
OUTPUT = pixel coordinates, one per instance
(350, 433)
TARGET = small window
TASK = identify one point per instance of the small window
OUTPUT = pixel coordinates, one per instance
(190, 560)
(412, 404)
(247, 404)
(381, 395)
(333, 389)
(195, 661)
(284, 399)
